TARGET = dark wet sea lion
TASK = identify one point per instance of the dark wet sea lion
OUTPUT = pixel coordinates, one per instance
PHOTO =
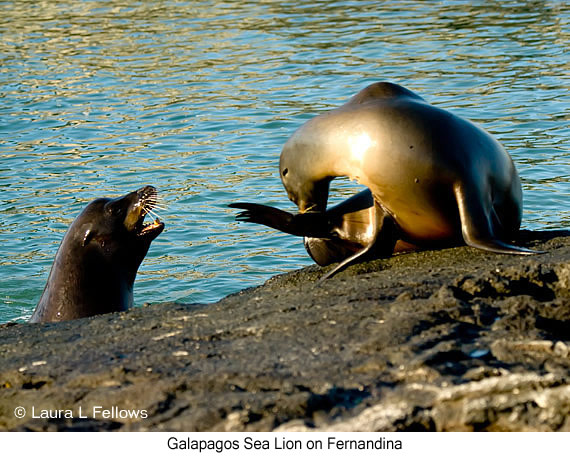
(436, 177)
(95, 266)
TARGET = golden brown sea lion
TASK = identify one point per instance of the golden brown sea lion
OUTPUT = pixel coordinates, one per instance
(435, 178)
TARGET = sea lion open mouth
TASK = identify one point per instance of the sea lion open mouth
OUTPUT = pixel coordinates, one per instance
(147, 201)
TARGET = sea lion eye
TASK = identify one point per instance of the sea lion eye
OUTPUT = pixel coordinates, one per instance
(285, 171)
(87, 237)
(115, 210)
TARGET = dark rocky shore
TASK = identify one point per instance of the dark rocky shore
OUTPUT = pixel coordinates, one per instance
(456, 339)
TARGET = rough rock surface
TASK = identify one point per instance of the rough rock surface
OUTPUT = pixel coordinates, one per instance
(456, 339)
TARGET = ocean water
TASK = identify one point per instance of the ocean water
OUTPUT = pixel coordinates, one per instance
(98, 98)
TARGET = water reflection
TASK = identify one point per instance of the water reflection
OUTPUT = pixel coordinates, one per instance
(197, 98)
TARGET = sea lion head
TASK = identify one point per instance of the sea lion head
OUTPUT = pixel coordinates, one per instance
(334, 144)
(115, 228)
(303, 176)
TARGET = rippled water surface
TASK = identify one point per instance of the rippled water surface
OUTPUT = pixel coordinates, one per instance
(197, 98)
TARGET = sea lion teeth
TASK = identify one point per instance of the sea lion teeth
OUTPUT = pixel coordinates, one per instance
(148, 227)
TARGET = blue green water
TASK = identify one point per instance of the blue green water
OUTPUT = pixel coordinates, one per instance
(98, 98)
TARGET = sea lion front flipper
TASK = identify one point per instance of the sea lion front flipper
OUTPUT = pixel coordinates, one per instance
(310, 224)
(476, 225)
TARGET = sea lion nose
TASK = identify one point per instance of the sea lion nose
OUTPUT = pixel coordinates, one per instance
(146, 192)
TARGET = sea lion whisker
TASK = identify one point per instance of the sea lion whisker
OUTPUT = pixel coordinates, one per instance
(154, 202)
(151, 212)
(310, 208)
(159, 206)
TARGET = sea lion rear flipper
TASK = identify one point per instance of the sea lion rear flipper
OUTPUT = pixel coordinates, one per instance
(264, 215)
(310, 224)
(476, 226)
